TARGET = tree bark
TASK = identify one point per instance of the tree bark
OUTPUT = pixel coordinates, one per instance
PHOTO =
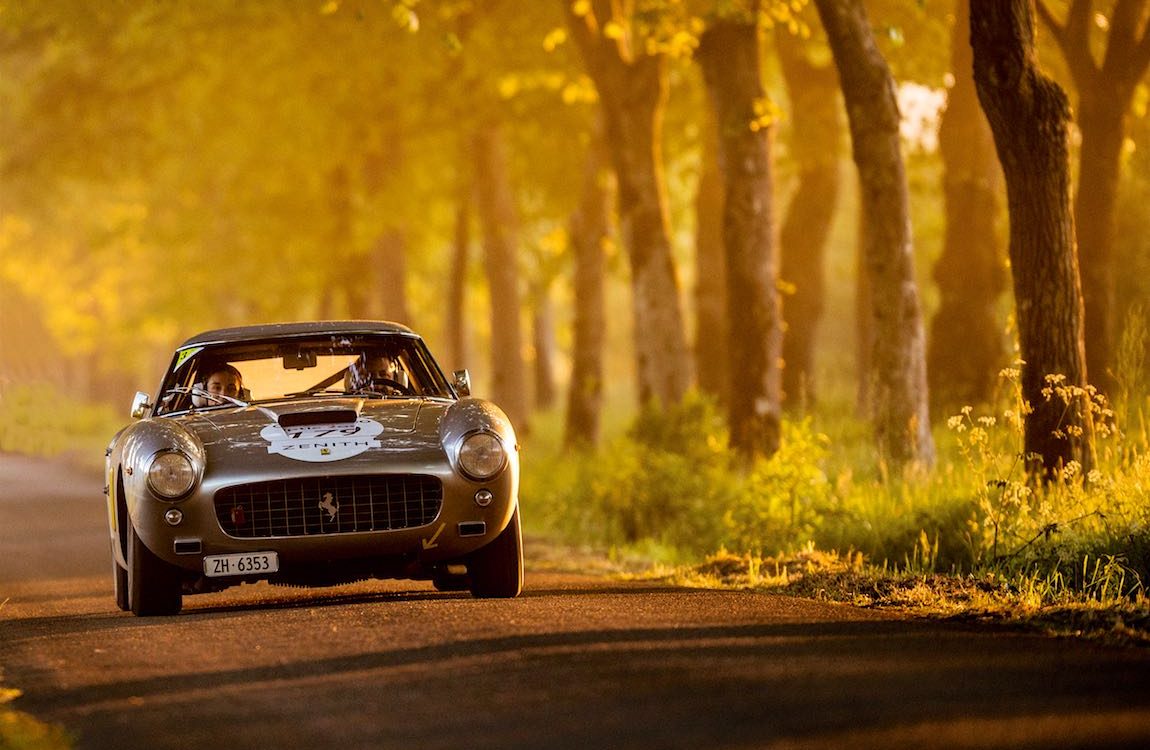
(966, 348)
(632, 87)
(457, 329)
(590, 231)
(816, 134)
(711, 349)
(500, 228)
(334, 297)
(543, 345)
(388, 278)
(379, 290)
(898, 371)
(1105, 95)
(730, 56)
(1029, 116)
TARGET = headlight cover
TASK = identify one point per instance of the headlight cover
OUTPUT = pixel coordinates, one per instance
(481, 455)
(171, 475)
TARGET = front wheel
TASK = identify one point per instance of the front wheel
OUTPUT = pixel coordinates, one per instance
(120, 584)
(496, 571)
(153, 585)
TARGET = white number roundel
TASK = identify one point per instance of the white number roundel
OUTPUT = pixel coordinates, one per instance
(322, 442)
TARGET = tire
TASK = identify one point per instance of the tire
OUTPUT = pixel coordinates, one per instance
(447, 582)
(153, 585)
(120, 584)
(496, 571)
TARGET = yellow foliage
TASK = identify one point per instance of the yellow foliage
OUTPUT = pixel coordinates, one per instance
(554, 39)
(614, 30)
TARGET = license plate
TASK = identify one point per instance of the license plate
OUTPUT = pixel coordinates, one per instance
(241, 564)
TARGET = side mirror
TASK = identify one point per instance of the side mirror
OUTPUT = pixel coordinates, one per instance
(141, 406)
(461, 381)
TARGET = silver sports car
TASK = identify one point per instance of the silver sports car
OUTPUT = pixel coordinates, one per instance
(311, 454)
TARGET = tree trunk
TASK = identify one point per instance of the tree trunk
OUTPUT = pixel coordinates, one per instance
(1029, 116)
(1105, 95)
(543, 344)
(966, 348)
(497, 216)
(590, 231)
(1100, 122)
(632, 87)
(380, 290)
(711, 350)
(457, 329)
(900, 397)
(864, 323)
(816, 134)
(730, 57)
(388, 278)
(334, 298)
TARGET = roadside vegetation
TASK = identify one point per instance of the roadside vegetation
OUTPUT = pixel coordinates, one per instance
(22, 731)
(40, 420)
(974, 537)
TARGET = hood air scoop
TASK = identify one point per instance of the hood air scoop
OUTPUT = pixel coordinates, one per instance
(318, 416)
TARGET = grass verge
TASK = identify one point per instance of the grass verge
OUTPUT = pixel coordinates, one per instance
(22, 731)
(986, 598)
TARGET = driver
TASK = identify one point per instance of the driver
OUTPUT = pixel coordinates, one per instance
(375, 372)
(224, 381)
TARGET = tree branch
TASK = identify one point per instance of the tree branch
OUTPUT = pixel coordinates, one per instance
(1073, 38)
(1137, 57)
(1056, 29)
(1121, 41)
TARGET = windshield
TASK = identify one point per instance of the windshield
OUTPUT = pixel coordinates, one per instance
(369, 365)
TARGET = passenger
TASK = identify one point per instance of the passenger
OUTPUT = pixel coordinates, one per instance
(222, 381)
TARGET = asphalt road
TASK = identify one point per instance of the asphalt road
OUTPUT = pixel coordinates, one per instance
(579, 661)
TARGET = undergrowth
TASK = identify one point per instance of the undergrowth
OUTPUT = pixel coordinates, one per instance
(669, 489)
(22, 731)
(39, 420)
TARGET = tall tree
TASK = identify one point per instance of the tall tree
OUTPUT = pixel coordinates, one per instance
(590, 232)
(632, 86)
(711, 345)
(380, 291)
(457, 332)
(543, 345)
(729, 53)
(500, 237)
(816, 130)
(1105, 93)
(898, 367)
(966, 348)
(1029, 116)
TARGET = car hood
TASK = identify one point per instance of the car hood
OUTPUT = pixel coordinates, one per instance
(318, 430)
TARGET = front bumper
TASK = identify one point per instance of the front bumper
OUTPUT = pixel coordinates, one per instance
(320, 541)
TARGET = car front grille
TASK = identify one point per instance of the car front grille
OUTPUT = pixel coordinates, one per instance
(328, 505)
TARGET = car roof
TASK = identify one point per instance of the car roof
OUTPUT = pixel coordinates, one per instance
(277, 330)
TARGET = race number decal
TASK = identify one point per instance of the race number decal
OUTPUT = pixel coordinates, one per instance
(322, 442)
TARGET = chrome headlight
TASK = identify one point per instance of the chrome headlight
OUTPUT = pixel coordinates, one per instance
(171, 475)
(481, 455)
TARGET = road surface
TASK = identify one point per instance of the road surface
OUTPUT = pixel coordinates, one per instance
(579, 661)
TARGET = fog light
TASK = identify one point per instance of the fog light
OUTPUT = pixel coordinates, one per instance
(174, 516)
(483, 498)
